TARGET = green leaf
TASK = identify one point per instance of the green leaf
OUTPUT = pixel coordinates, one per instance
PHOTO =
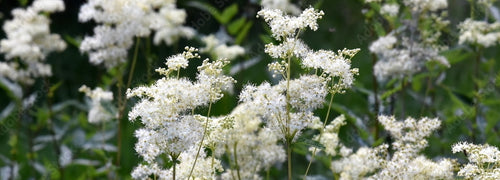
(457, 55)
(53, 89)
(390, 92)
(23, 2)
(228, 14)
(236, 25)
(72, 41)
(243, 33)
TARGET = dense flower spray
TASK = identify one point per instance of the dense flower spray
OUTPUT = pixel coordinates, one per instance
(122, 20)
(405, 163)
(484, 161)
(170, 127)
(29, 41)
(288, 106)
(404, 50)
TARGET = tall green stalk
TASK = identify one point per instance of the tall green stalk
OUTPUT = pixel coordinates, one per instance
(122, 100)
(202, 139)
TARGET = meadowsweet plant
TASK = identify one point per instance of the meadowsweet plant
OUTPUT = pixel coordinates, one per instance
(410, 43)
(406, 162)
(171, 129)
(122, 20)
(29, 41)
(288, 106)
(484, 161)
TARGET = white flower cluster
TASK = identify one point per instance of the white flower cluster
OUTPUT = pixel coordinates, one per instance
(422, 5)
(186, 160)
(405, 50)
(360, 164)
(409, 141)
(284, 26)
(306, 94)
(479, 33)
(484, 161)
(329, 135)
(29, 40)
(405, 163)
(249, 146)
(288, 107)
(219, 50)
(98, 113)
(283, 5)
(166, 109)
(122, 20)
(389, 9)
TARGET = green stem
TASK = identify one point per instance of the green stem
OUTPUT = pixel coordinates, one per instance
(202, 139)
(236, 161)
(476, 86)
(289, 159)
(174, 160)
(50, 125)
(122, 100)
(320, 135)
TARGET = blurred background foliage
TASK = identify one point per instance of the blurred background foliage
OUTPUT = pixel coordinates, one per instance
(447, 94)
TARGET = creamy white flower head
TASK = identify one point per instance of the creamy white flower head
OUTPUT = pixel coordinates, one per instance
(330, 138)
(383, 44)
(220, 50)
(308, 92)
(479, 32)
(403, 61)
(176, 62)
(284, 26)
(283, 5)
(334, 65)
(431, 5)
(389, 9)
(48, 5)
(122, 20)
(484, 161)
(29, 39)
(290, 47)
(98, 112)
(358, 165)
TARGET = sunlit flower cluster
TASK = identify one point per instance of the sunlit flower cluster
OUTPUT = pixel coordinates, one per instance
(284, 26)
(166, 110)
(29, 41)
(405, 163)
(122, 20)
(484, 161)
(479, 32)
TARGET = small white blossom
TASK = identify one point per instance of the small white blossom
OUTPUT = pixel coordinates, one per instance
(479, 32)
(98, 112)
(284, 26)
(484, 161)
(119, 21)
(220, 50)
(29, 39)
(389, 9)
(283, 5)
